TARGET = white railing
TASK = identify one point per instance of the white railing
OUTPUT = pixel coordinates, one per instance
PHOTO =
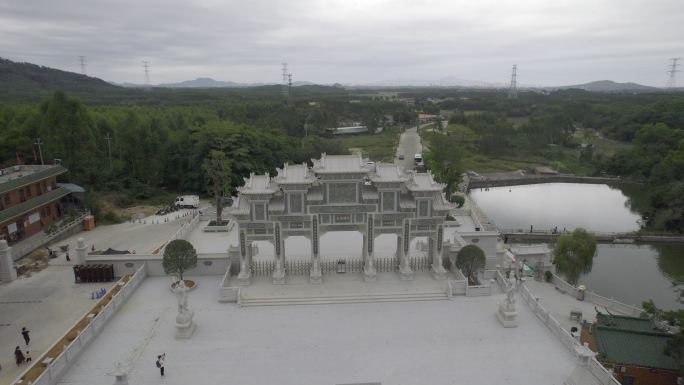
(600, 373)
(183, 232)
(57, 366)
(478, 290)
(596, 299)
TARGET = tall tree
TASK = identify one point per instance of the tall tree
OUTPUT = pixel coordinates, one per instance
(179, 257)
(218, 168)
(444, 159)
(574, 254)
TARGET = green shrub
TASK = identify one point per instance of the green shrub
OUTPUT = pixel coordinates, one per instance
(548, 276)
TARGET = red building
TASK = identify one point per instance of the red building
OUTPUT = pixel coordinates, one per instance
(29, 200)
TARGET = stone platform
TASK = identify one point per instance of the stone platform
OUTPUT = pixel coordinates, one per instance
(343, 288)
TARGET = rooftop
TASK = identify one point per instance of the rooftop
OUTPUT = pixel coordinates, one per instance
(18, 176)
(631, 341)
(294, 174)
(424, 182)
(338, 164)
(32, 203)
(257, 184)
(387, 172)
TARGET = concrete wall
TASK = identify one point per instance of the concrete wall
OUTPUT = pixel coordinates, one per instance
(207, 264)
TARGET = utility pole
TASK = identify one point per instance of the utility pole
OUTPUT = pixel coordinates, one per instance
(513, 87)
(283, 86)
(109, 150)
(672, 71)
(82, 60)
(40, 150)
(146, 66)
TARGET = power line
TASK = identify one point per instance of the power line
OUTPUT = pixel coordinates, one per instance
(82, 61)
(672, 71)
(513, 87)
(146, 66)
(283, 86)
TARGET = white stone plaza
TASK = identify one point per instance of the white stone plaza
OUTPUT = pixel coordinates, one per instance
(431, 342)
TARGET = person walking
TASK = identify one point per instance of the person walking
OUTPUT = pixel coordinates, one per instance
(67, 257)
(18, 356)
(25, 333)
(27, 356)
(160, 363)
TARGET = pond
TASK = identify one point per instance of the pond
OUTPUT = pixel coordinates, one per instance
(628, 273)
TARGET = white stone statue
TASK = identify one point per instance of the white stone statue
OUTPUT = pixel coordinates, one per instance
(181, 292)
(510, 300)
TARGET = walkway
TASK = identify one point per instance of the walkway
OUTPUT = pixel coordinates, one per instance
(433, 342)
(48, 303)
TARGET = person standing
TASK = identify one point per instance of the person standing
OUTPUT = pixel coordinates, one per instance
(25, 333)
(67, 257)
(160, 363)
(18, 356)
(27, 356)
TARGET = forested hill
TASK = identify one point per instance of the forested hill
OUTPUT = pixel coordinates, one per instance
(30, 82)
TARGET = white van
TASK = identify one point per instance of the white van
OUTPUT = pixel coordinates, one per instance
(187, 201)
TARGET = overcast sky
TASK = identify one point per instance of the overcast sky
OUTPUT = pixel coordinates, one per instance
(553, 42)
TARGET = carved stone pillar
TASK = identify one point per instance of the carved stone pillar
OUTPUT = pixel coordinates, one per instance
(315, 276)
(245, 276)
(438, 271)
(81, 249)
(369, 272)
(405, 271)
(279, 246)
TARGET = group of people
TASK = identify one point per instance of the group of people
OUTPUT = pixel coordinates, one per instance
(19, 356)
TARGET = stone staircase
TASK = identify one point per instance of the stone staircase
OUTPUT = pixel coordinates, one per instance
(342, 298)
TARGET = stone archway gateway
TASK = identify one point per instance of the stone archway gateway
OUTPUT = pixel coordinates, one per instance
(340, 193)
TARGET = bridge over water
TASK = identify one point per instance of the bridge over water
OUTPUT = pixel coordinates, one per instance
(520, 235)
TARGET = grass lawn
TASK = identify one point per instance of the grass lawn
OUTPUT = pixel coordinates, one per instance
(377, 147)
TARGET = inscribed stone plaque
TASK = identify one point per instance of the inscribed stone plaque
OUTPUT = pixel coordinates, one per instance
(342, 192)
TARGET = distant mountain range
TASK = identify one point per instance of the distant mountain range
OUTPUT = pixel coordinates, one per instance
(211, 83)
(610, 86)
(26, 81)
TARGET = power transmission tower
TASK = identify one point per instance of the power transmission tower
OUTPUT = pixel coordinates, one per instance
(513, 87)
(146, 66)
(289, 88)
(82, 61)
(39, 143)
(672, 71)
(283, 87)
(109, 149)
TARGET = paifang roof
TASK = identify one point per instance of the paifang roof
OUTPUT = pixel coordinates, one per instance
(385, 172)
(294, 174)
(338, 164)
(423, 182)
(257, 184)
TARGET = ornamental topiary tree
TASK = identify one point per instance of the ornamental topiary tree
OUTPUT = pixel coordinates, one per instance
(470, 259)
(179, 256)
(574, 254)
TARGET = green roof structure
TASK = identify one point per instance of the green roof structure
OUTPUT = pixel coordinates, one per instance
(631, 341)
(31, 178)
(30, 204)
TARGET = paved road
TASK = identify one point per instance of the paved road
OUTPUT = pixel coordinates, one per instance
(409, 145)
